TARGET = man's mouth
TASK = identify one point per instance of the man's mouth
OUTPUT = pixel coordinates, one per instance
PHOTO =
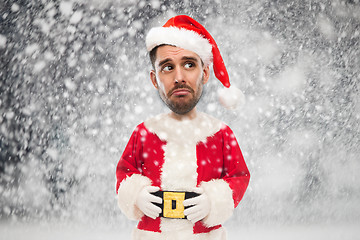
(181, 92)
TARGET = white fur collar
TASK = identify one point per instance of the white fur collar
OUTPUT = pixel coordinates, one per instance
(187, 131)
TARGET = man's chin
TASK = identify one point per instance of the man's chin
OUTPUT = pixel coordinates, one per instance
(181, 108)
(180, 105)
(181, 111)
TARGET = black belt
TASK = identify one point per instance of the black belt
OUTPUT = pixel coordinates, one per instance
(172, 206)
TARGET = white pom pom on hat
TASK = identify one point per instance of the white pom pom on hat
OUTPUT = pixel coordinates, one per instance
(231, 97)
(184, 32)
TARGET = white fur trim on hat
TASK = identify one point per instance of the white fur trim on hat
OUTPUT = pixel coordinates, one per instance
(182, 38)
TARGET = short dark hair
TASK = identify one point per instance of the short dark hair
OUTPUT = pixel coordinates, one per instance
(152, 55)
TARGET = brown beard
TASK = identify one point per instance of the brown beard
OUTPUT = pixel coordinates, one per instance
(182, 108)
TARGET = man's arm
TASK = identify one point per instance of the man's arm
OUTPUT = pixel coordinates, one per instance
(226, 193)
(129, 178)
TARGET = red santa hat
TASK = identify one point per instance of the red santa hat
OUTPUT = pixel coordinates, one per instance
(184, 32)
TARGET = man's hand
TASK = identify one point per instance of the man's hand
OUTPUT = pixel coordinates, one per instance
(200, 206)
(145, 202)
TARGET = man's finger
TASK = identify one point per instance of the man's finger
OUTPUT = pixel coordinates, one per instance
(191, 201)
(196, 219)
(148, 213)
(155, 199)
(198, 190)
(152, 212)
(153, 207)
(193, 218)
(190, 210)
(152, 189)
(197, 216)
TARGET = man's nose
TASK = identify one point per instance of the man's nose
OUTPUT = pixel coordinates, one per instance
(179, 75)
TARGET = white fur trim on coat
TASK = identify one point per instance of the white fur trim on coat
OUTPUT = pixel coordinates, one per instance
(217, 234)
(182, 38)
(128, 191)
(189, 131)
(179, 171)
(221, 202)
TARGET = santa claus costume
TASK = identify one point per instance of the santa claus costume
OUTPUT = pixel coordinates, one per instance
(182, 155)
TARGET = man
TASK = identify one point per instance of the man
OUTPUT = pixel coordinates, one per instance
(182, 173)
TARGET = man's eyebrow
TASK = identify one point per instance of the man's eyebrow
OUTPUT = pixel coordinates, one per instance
(189, 58)
(162, 62)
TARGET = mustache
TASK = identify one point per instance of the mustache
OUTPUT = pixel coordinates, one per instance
(179, 87)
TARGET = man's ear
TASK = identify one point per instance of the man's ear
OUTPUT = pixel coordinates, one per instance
(153, 78)
(206, 75)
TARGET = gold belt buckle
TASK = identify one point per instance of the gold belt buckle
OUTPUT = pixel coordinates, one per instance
(173, 204)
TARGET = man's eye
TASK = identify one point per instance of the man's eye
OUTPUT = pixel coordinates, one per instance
(167, 68)
(189, 65)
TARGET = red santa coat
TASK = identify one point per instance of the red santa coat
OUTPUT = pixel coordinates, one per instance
(178, 156)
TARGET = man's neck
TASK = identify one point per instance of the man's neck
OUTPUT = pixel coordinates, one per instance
(187, 116)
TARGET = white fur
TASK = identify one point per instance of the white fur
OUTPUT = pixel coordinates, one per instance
(179, 171)
(182, 38)
(184, 132)
(127, 194)
(182, 226)
(221, 200)
(231, 97)
(218, 234)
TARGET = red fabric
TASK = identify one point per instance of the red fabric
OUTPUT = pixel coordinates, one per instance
(142, 155)
(200, 228)
(149, 224)
(223, 154)
(218, 158)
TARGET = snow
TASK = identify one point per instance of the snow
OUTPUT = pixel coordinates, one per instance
(211, 107)
(155, 4)
(15, 7)
(52, 152)
(76, 83)
(39, 66)
(292, 79)
(56, 231)
(31, 49)
(66, 8)
(76, 17)
(267, 48)
(10, 115)
(317, 232)
(2, 41)
(326, 27)
(70, 85)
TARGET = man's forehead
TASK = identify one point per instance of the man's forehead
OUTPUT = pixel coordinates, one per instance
(175, 53)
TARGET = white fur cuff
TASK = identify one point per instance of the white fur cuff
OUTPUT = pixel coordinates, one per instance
(221, 202)
(128, 191)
